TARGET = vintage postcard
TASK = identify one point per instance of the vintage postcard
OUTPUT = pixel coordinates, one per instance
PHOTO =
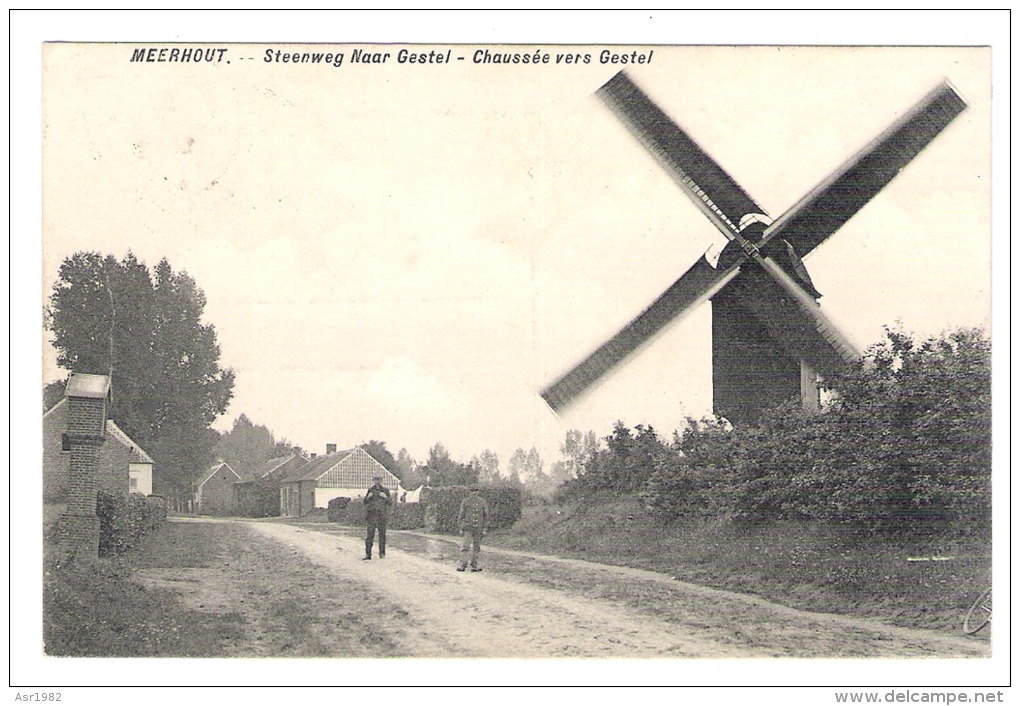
(305, 285)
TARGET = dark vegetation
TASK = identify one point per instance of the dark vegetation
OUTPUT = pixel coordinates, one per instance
(125, 519)
(442, 505)
(904, 448)
(402, 516)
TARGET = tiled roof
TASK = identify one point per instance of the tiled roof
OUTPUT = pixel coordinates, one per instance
(138, 454)
(353, 468)
(54, 407)
(318, 465)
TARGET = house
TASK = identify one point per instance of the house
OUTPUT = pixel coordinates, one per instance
(214, 491)
(139, 462)
(258, 494)
(341, 474)
(124, 467)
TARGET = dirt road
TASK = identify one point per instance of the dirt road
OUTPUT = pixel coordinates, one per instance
(526, 605)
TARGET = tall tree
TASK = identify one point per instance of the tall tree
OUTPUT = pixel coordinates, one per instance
(527, 466)
(441, 469)
(488, 467)
(410, 473)
(116, 318)
(578, 450)
(246, 446)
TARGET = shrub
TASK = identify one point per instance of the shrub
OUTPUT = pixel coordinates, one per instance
(335, 509)
(407, 516)
(124, 519)
(442, 505)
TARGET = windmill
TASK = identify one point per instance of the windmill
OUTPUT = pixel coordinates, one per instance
(770, 338)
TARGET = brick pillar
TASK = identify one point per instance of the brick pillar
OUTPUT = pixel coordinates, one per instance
(78, 529)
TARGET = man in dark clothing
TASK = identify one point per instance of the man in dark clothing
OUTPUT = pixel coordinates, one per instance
(377, 506)
(473, 520)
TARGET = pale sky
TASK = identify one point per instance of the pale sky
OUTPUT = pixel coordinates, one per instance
(409, 253)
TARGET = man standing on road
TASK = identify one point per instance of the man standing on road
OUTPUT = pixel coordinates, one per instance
(377, 507)
(473, 520)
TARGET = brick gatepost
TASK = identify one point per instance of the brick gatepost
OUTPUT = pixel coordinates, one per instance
(86, 430)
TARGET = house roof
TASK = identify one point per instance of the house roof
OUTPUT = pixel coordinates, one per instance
(280, 466)
(212, 471)
(318, 465)
(85, 385)
(138, 454)
(356, 475)
(52, 409)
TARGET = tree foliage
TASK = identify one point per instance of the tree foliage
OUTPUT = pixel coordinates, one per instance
(442, 470)
(145, 330)
(246, 446)
(626, 462)
(488, 467)
(905, 446)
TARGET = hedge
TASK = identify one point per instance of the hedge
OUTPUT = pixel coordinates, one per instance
(443, 503)
(402, 515)
(124, 519)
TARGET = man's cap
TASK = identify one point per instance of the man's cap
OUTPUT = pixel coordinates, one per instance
(377, 476)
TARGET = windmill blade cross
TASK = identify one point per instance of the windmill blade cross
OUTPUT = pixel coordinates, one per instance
(788, 312)
(696, 285)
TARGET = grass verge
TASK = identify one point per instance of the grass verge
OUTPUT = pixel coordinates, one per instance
(802, 565)
(210, 590)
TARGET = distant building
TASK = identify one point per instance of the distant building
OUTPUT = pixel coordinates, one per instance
(124, 466)
(258, 494)
(214, 491)
(342, 474)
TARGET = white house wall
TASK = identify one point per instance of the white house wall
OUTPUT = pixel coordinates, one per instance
(140, 478)
(324, 495)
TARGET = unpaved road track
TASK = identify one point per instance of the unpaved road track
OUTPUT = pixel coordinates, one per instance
(527, 606)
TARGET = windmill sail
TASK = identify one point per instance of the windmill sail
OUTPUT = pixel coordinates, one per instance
(704, 181)
(695, 286)
(845, 192)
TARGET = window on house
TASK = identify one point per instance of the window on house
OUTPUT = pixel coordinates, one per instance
(133, 483)
(65, 442)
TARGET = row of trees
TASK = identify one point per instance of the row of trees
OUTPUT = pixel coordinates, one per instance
(524, 469)
(904, 446)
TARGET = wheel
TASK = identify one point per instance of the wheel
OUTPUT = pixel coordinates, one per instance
(980, 614)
